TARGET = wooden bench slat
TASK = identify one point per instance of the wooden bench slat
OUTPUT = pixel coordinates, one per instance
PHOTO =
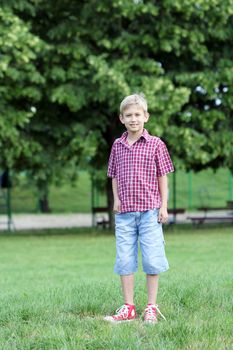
(201, 219)
(99, 210)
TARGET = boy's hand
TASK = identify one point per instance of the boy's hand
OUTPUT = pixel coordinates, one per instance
(117, 206)
(163, 215)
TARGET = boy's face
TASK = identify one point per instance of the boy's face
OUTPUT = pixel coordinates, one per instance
(134, 118)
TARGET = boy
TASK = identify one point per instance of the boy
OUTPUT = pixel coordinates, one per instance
(138, 165)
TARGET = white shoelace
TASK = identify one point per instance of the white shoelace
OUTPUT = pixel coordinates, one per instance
(123, 310)
(150, 312)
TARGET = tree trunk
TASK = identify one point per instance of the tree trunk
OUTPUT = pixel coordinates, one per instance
(44, 205)
(43, 190)
(109, 136)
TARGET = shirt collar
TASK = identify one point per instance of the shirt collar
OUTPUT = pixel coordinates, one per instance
(144, 135)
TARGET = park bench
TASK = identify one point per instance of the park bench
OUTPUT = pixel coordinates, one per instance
(176, 211)
(200, 220)
(207, 209)
(100, 221)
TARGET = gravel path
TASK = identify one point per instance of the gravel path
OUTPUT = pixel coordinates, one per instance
(40, 221)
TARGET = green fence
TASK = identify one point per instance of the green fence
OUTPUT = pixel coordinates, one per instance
(193, 190)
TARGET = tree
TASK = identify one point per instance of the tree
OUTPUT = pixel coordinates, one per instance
(20, 87)
(177, 52)
(37, 133)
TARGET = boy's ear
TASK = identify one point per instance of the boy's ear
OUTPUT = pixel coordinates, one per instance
(147, 116)
(121, 118)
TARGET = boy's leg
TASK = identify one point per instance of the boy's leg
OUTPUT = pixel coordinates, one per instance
(126, 264)
(127, 283)
(126, 250)
(152, 282)
(152, 310)
(126, 312)
(153, 258)
(151, 239)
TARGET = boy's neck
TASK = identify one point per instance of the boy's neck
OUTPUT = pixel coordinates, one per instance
(133, 136)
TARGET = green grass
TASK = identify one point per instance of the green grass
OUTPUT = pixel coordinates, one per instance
(57, 285)
(63, 199)
(208, 189)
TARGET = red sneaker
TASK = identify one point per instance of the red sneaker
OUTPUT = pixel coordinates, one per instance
(150, 314)
(126, 312)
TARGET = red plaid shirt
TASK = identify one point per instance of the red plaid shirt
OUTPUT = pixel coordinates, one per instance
(137, 168)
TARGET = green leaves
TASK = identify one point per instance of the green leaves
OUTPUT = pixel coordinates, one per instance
(20, 87)
(73, 62)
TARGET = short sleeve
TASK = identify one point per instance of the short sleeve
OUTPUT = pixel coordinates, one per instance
(112, 163)
(163, 161)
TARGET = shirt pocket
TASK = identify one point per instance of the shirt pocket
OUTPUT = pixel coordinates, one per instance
(148, 170)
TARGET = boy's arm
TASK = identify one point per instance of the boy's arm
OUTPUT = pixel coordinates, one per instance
(117, 203)
(163, 189)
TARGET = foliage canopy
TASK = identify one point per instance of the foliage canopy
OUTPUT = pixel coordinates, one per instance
(66, 65)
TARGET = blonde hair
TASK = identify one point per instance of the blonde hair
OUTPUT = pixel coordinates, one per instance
(138, 99)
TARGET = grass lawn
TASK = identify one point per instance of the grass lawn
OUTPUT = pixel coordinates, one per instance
(57, 285)
(208, 189)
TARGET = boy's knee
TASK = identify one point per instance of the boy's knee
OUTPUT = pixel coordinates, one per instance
(126, 266)
(152, 268)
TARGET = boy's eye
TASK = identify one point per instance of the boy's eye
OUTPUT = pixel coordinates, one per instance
(130, 115)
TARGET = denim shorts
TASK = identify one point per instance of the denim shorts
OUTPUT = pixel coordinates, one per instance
(132, 227)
